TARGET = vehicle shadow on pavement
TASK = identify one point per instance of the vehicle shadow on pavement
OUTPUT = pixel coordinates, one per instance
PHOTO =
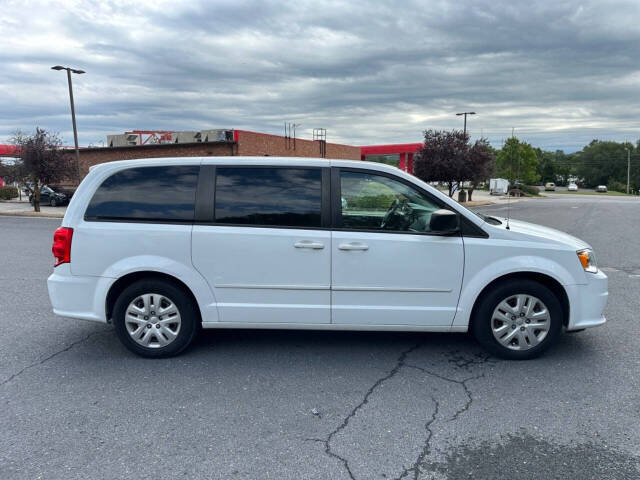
(209, 340)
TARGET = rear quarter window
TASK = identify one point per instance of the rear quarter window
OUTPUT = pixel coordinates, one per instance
(159, 194)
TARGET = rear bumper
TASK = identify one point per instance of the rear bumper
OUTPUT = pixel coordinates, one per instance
(587, 302)
(76, 296)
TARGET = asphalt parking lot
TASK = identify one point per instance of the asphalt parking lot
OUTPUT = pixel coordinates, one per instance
(321, 405)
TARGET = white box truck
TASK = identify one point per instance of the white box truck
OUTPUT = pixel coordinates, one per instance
(498, 186)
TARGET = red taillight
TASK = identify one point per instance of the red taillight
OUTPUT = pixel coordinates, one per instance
(62, 245)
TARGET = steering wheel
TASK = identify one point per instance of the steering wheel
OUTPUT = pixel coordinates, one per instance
(392, 210)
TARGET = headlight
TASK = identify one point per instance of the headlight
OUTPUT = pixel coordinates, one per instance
(588, 260)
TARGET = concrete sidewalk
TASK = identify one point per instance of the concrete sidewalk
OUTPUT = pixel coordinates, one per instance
(483, 197)
(25, 209)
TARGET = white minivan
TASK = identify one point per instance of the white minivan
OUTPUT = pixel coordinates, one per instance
(161, 247)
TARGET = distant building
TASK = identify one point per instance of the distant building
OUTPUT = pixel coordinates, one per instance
(139, 144)
(205, 143)
(397, 154)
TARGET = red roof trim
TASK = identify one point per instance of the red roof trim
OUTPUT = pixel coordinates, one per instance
(9, 150)
(390, 149)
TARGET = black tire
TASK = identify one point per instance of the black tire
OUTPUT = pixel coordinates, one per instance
(186, 306)
(53, 202)
(481, 322)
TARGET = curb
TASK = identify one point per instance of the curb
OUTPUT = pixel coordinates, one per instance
(28, 213)
(476, 203)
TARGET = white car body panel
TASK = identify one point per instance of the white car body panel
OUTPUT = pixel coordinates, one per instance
(259, 275)
(384, 284)
(250, 277)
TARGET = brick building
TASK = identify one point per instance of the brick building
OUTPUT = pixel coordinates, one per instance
(206, 143)
(230, 143)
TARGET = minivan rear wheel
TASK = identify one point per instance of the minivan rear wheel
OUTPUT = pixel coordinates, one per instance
(155, 318)
(518, 319)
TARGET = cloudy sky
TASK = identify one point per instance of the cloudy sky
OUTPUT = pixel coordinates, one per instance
(560, 73)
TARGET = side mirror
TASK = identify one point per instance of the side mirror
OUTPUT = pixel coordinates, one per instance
(444, 222)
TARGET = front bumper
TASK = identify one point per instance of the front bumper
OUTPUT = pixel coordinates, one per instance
(77, 296)
(587, 302)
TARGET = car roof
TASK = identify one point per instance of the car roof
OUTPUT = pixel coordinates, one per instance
(243, 160)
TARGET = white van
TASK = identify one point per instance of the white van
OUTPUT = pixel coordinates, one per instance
(159, 247)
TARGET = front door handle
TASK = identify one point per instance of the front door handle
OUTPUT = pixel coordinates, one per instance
(353, 246)
(309, 244)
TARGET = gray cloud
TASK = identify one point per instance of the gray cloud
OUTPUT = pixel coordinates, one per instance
(561, 73)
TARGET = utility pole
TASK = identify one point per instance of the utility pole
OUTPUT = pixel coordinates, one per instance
(628, 167)
(73, 113)
(465, 119)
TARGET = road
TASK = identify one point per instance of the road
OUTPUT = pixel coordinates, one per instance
(320, 405)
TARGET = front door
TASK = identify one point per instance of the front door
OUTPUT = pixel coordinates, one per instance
(267, 256)
(387, 269)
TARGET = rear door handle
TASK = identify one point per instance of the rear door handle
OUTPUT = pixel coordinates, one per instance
(309, 244)
(353, 246)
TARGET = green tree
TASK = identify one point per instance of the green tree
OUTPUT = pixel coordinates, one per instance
(603, 163)
(517, 161)
(563, 169)
(546, 168)
(553, 166)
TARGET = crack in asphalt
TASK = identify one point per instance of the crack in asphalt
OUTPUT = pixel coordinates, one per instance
(463, 362)
(327, 442)
(426, 449)
(46, 359)
(462, 383)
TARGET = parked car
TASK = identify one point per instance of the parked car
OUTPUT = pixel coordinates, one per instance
(550, 186)
(50, 197)
(572, 187)
(160, 247)
(68, 192)
(601, 189)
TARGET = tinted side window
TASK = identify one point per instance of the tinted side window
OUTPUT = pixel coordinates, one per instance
(288, 197)
(164, 194)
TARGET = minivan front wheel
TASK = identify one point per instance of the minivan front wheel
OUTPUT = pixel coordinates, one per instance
(155, 318)
(518, 319)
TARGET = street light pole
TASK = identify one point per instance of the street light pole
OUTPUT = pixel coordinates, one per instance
(465, 119)
(73, 112)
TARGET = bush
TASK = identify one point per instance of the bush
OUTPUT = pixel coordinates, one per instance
(617, 186)
(7, 193)
(527, 189)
